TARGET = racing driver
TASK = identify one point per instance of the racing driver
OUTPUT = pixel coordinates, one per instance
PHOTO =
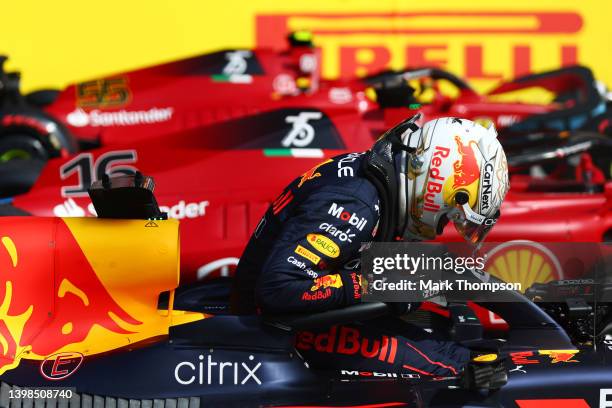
(304, 254)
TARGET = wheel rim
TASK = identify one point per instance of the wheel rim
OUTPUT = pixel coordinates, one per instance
(14, 154)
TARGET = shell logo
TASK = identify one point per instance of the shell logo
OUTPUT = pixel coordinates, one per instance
(525, 262)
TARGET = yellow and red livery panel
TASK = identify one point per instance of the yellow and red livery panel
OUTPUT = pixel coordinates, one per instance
(84, 285)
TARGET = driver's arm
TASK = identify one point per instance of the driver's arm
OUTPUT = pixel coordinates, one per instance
(305, 270)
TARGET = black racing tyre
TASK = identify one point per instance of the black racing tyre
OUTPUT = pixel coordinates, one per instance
(18, 176)
(21, 146)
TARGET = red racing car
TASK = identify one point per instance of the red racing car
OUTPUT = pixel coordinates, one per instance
(188, 95)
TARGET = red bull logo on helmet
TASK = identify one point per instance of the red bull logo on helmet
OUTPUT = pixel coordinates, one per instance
(465, 170)
(435, 180)
(465, 174)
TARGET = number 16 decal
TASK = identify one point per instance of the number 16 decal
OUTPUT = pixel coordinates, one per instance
(89, 170)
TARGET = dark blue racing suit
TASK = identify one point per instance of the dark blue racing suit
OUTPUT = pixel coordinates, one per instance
(304, 257)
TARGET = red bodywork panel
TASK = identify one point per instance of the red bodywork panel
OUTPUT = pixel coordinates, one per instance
(189, 94)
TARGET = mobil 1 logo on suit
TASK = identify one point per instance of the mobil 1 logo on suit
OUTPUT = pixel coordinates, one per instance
(351, 218)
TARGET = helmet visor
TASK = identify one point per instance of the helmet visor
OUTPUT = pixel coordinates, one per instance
(472, 226)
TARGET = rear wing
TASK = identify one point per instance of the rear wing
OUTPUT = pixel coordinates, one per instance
(576, 91)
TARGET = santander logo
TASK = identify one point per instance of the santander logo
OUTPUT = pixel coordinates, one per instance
(98, 118)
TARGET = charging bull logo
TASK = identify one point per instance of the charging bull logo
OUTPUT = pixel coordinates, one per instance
(466, 173)
(466, 170)
(312, 173)
(327, 281)
(522, 358)
(50, 301)
(560, 356)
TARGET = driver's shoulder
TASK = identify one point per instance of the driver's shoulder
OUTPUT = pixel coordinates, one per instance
(357, 190)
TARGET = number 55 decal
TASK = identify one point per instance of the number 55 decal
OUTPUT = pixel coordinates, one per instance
(88, 170)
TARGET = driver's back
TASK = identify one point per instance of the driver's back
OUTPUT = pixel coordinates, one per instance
(303, 255)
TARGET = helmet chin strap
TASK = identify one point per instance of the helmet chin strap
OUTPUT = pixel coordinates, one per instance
(404, 198)
(405, 223)
(473, 216)
(401, 163)
(470, 214)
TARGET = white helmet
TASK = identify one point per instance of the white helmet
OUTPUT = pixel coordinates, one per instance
(458, 172)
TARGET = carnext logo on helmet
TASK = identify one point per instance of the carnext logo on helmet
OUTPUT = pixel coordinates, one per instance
(487, 184)
(434, 187)
(352, 218)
